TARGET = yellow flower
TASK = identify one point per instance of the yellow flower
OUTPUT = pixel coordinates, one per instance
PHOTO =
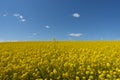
(91, 77)
(84, 78)
(24, 76)
(108, 64)
(15, 76)
(77, 78)
(54, 71)
(51, 74)
(65, 75)
(39, 79)
(87, 72)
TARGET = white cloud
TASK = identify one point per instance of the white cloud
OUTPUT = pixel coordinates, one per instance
(4, 15)
(76, 15)
(75, 34)
(47, 27)
(34, 34)
(23, 20)
(20, 17)
(16, 15)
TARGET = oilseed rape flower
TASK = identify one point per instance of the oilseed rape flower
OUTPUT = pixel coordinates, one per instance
(65, 75)
(64, 60)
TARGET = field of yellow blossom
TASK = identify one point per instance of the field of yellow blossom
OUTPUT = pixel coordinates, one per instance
(60, 60)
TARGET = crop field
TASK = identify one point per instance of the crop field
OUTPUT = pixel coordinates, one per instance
(60, 60)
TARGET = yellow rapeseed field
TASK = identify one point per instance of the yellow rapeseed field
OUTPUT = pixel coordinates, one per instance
(60, 60)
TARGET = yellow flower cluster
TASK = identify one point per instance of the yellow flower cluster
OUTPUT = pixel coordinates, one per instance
(60, 61)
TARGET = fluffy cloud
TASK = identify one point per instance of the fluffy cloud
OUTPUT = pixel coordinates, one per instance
(20, 17)
(47, 27)
(76, 15)
(34, 34)
(4, 15)
(16, 15)
(23, 20)
(75, 34)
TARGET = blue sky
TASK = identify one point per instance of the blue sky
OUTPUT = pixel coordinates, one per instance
(62, 19)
